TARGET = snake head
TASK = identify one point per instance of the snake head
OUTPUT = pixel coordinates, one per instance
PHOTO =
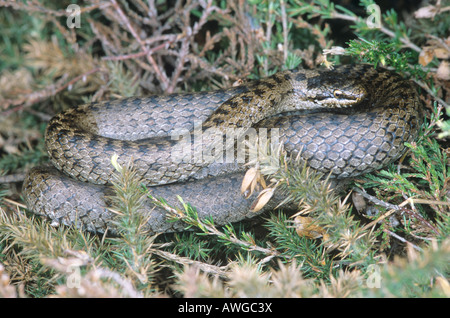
(333, 97)
(329, 89)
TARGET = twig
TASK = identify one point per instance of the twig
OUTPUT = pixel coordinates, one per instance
(376, 200)
(31, 98)
(211, 229)
(136, 55)
(20, 205)
(184, 51)
(124, 57)
(285, 30)
(207, 268)
(383, 216)
(398, 208)
(402, 239)
(433, 95)
(46, 92)
(418, 216)
(406, 41)
(162, 76)
(11, 178)
(30, 7)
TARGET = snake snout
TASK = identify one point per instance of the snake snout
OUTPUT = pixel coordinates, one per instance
(348, 97)
(340, 97)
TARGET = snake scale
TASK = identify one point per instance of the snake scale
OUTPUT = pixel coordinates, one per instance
(347, 121)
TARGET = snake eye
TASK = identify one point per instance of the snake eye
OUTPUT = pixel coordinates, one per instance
(338, 93)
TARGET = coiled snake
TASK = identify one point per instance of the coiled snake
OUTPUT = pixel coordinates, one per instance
(366, 115)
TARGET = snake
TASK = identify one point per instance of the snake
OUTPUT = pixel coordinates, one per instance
(342, 122)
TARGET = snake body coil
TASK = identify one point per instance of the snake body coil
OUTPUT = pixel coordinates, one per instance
(366, 115)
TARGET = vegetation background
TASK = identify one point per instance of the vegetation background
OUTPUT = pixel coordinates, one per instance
(52, 59)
